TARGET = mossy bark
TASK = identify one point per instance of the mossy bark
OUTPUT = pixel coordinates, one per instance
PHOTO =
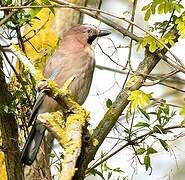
(9, 132)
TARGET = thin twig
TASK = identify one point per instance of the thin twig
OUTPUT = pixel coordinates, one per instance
(132, 142)
(17, 76)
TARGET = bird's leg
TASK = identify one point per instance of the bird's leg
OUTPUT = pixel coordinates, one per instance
(42, 85)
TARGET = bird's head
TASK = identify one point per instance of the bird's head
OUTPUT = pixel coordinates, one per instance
(85, 33)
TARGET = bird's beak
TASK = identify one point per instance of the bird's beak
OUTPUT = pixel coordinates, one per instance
(103, 33)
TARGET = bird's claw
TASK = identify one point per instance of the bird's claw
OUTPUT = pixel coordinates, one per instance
(42, 85)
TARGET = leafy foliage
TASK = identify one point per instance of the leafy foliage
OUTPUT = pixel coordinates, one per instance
(161, 7)
(151, 42)
(23, 17)
(152, 121)
(180, 22)
(146, 152)
(106, 172)
(164, 144)
(154, 44)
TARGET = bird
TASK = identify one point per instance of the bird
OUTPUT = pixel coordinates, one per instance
(75, 56)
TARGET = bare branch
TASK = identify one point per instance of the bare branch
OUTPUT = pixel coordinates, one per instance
(134, 141)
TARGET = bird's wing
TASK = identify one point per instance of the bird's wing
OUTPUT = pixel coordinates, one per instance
(41, 96)
(38, 102)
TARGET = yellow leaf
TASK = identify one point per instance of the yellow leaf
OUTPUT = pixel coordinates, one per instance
(139, 98)
(42, 38)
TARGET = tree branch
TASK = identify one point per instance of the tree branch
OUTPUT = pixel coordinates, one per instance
(70, 136)
(9, 132)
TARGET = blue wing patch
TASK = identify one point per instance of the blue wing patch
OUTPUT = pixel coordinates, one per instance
(54, 73)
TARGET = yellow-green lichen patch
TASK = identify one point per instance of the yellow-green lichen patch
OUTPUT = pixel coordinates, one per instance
(39, 76)
(95, 142)
(56, 125)
(71, 147)
(132, 81)
(82, 116)
(68, 175)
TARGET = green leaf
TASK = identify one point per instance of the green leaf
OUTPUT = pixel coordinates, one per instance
(164, 144)
(153, 9)
(145, 7)
(153, 47)
(106, 168)
(166, 8)
(166, 109)
(179, 7)
(96, 172)
(147, 15)
(34, 12)
(108, 103)
(140, 151)
(156, 2)
(118, 170)
(144, 113)
(147, 162)
(109, 175)
(161, 9)
(142, 124)
(151, 150)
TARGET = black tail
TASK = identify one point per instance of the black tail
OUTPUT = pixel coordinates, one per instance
(32, 144)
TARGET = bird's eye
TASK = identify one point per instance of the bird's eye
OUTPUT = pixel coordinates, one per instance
(90, 31)
(91, 36)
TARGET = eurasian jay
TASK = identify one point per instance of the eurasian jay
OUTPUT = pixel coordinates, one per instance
(74, 57)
